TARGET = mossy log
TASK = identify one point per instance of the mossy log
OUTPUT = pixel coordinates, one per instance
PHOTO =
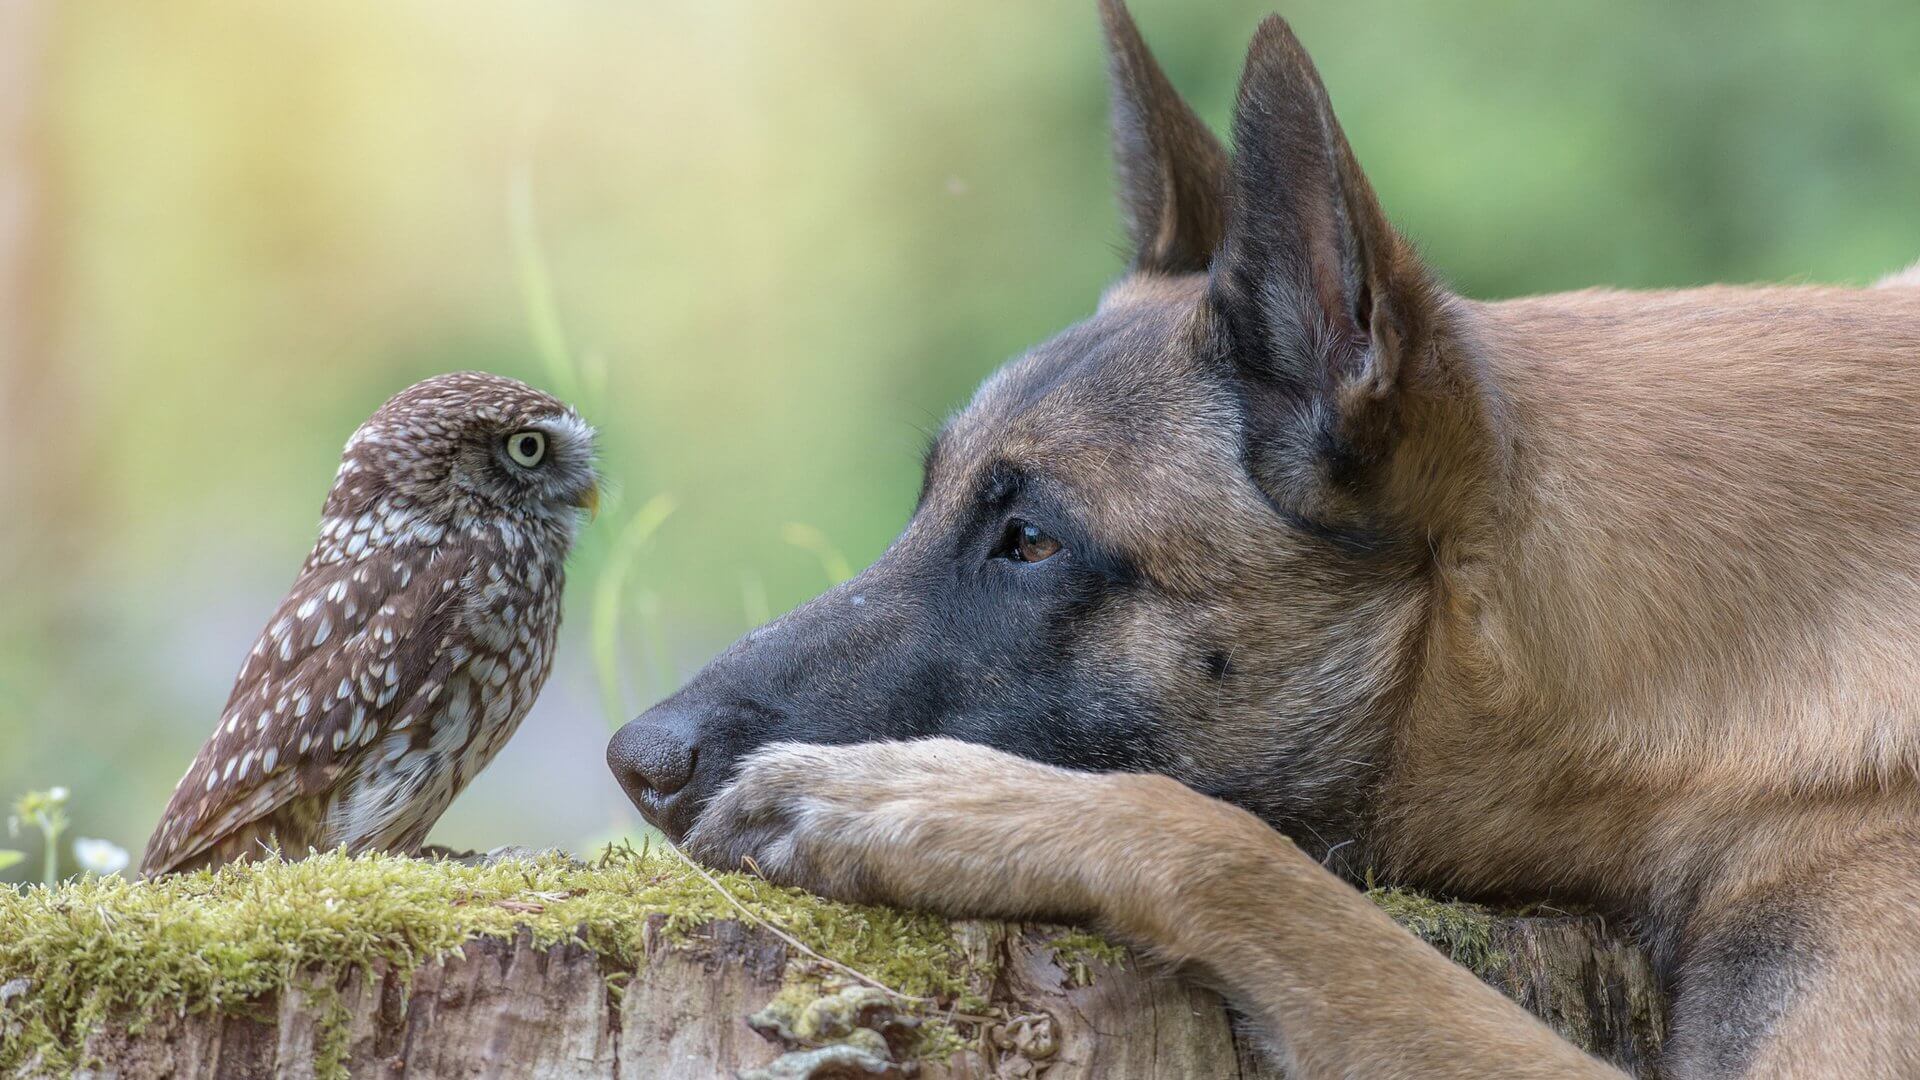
(381, 967)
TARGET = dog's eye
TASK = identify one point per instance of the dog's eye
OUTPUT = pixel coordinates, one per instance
(1027, 543)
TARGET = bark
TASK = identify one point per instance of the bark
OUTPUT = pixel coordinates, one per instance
(699, 1008)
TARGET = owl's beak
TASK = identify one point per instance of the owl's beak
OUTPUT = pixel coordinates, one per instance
(590, 501)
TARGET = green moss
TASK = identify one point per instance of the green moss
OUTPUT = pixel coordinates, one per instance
(333, 1040)
(219, 940)
(1462, 931)
(1076, 951)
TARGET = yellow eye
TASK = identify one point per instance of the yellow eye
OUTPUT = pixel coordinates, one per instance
(527, 448)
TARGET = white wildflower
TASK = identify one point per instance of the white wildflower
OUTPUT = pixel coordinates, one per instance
(100, 856)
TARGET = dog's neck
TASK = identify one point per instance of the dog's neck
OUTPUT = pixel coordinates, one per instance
(1678, 545)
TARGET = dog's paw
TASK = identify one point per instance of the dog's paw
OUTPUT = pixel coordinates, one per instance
(935, 823)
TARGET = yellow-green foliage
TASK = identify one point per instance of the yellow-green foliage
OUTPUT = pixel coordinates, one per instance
(215, 940)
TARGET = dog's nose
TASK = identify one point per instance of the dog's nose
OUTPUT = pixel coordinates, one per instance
(673, 757)
(653, 757)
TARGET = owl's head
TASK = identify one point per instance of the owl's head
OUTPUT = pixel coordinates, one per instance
(471, 442)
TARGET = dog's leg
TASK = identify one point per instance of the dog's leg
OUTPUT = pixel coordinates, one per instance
(1817, 975)
(1341, 989)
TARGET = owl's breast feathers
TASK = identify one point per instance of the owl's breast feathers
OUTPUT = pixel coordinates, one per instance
(381, 646)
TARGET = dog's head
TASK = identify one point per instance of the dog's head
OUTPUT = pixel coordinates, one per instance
(1189, 535)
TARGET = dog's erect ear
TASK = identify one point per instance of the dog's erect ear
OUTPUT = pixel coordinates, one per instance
(1322, 302)
(1172, 171)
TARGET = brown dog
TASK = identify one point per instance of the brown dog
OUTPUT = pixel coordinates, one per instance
(1288, 565)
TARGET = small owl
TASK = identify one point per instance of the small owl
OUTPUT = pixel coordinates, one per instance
(415, 638)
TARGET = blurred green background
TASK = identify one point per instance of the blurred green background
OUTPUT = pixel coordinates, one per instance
(780, 241)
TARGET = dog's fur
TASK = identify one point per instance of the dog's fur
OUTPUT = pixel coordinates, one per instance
(1607, 597)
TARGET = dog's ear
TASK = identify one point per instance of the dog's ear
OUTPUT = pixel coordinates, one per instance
(1172, 171)
(1322, 304)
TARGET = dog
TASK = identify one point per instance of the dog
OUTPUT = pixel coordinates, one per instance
(1288, 566)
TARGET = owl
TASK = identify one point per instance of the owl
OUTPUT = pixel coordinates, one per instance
(417, 635)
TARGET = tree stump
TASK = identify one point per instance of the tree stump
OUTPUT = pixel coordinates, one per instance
(537, 969)
(699, 1008)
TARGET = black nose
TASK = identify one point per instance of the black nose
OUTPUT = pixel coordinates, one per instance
(653, 757)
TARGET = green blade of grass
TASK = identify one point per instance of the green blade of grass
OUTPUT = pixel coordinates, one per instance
(753, 600)
(654, 640)
(608, 593)
(536, 288)
(809, 539)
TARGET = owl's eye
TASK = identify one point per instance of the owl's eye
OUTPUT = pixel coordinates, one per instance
(527, 448)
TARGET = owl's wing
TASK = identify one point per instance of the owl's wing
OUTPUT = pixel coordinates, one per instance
(353, 649)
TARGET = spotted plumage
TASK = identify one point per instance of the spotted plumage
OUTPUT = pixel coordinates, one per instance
(417, 635)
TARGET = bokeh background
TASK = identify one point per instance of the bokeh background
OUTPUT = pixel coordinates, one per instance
(766, 246)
